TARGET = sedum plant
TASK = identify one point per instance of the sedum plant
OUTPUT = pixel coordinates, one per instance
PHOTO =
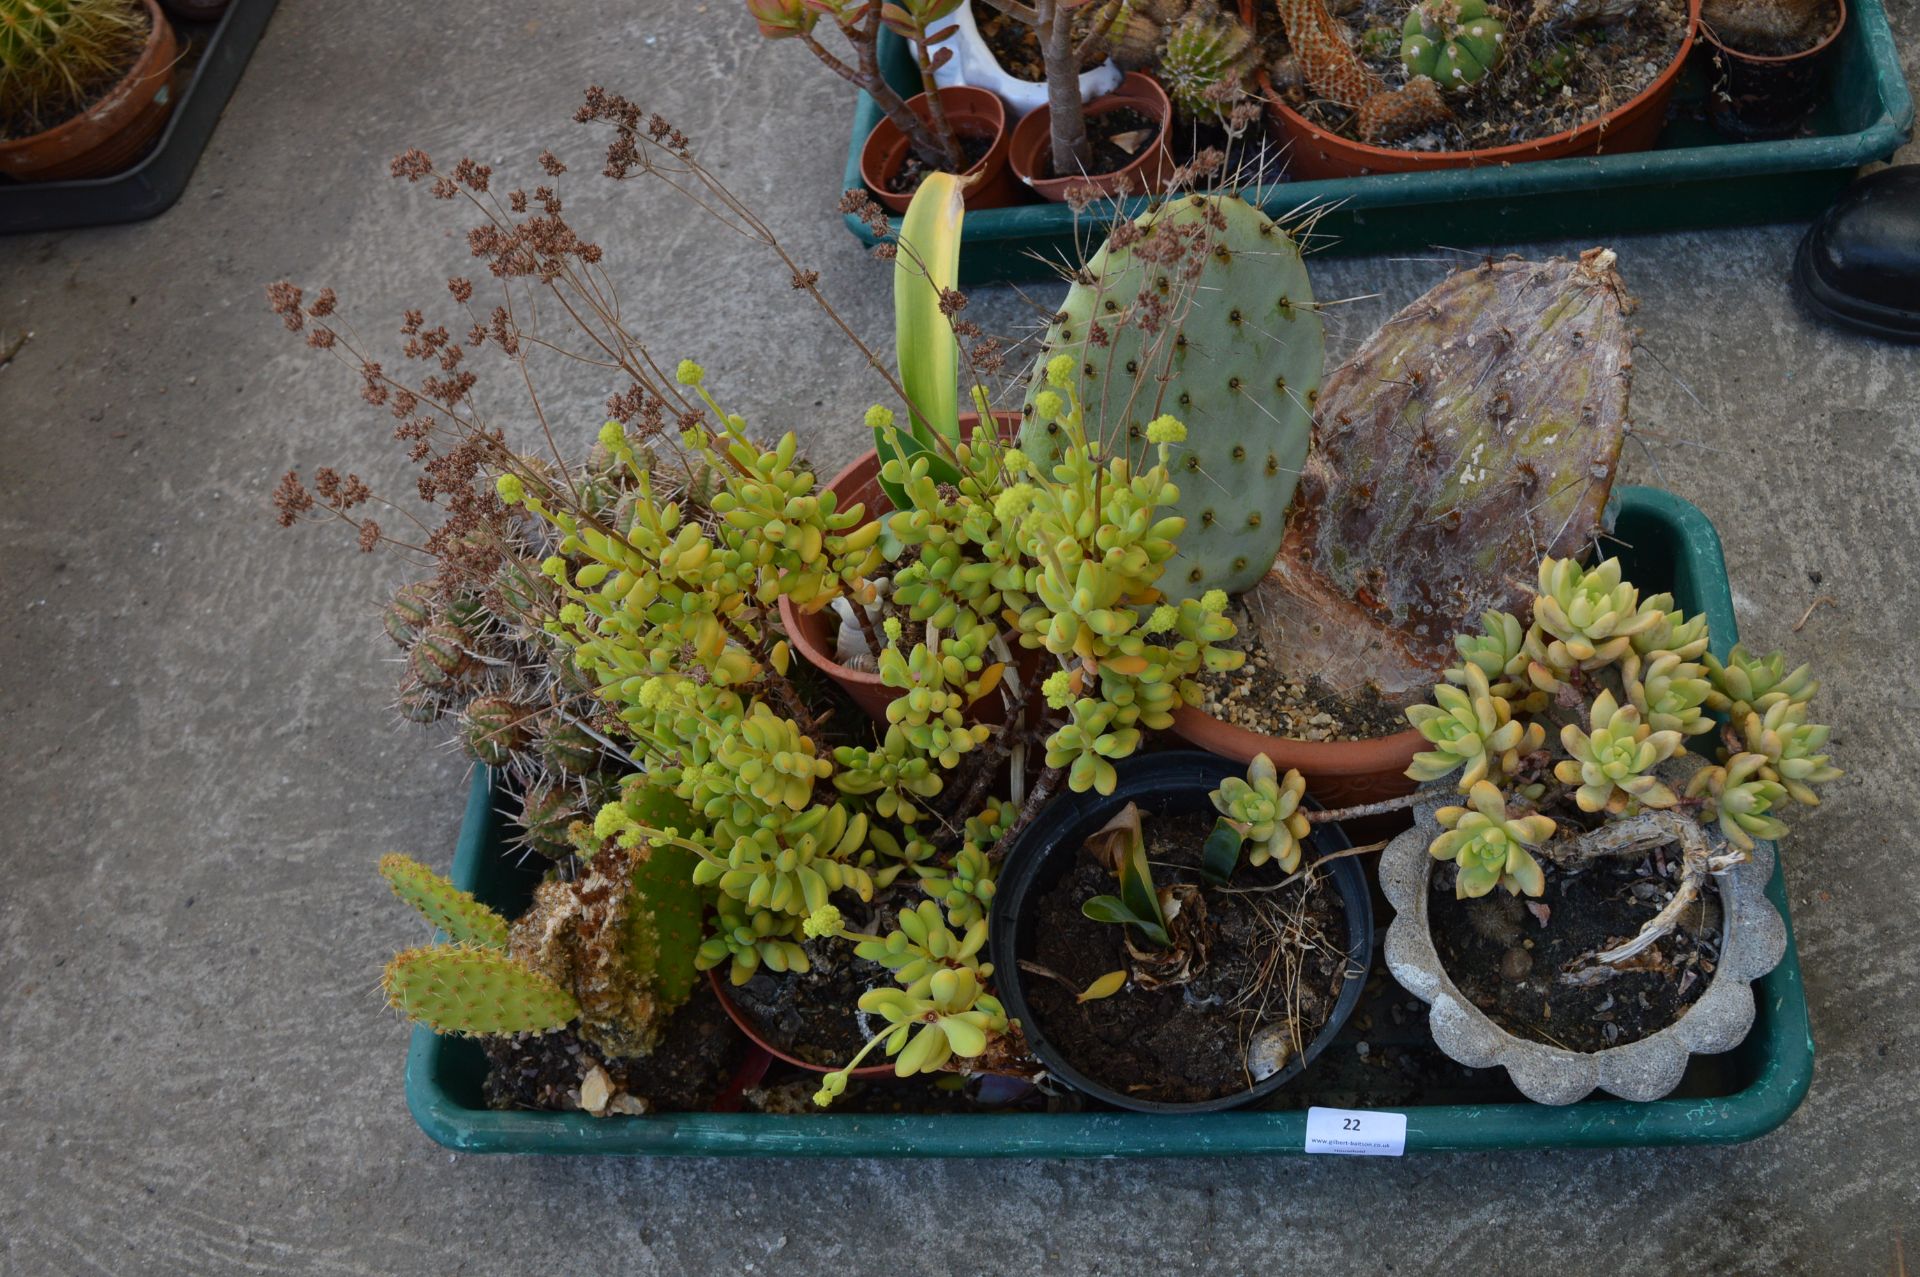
(1625, 681)
(1263, 809)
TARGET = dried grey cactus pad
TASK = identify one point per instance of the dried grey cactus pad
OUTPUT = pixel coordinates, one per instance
(1478, 430)
(1755, 940)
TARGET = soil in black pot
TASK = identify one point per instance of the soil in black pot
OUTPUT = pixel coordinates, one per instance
(915, 170)
(1551, 80)
(698, 1052)
(1118, 138)
(1187, 1043)
(1509, 964)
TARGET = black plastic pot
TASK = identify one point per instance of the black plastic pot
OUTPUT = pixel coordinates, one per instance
(1753, 97)
(1162, 785)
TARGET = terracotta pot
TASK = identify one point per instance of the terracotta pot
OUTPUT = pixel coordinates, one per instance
(974, 113)
(813, 634)
(1340, 773)
(107, 136)
(746, 1026)
(1031, 151)
(1315, 153)
(1752, 97)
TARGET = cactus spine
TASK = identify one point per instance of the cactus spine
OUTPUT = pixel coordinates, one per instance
(1210, 293)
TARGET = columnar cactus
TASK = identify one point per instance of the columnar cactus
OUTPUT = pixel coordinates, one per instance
(1478, 429)
(1239, 344)
(1454, 43)
(1207, 49)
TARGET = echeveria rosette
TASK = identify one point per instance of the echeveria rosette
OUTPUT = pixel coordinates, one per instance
(1582, 619)
(1669, 691)
(1791, 746)
(1469, 727)
(1739, 796)
(1682, 635)
(1499, 651)
(1491, 848)
(1264, 809)
(1613, 764)
(1756, 682)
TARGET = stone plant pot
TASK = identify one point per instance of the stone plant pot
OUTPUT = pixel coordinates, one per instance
(973, 65)
(1753, 941)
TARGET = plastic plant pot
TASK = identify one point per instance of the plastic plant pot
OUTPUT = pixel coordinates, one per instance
(742, 1022)
(1751, 96)
(1168, 784)
(1632, 126)
(974, 113)
(1030, 151)
(104, 138)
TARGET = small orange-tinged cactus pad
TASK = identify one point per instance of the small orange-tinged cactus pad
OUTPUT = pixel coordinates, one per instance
(465, 989)
(463, 918)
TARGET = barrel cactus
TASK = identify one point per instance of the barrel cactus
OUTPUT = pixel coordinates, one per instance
(1454, 43)
(1478, 430)
(1206, 50)
(1200, 308)
(57, 56)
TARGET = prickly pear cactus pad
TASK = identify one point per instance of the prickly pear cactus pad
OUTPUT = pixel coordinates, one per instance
(1200, 308)
(1477, 431)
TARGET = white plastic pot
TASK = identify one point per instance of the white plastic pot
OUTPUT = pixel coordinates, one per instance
(974, 65)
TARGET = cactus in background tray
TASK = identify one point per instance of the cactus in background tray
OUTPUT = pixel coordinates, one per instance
(1210, 293)
(1477, 431)
(1207, 49)
(1454, 43)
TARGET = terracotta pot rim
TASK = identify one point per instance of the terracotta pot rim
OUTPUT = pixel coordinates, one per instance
(789, 615)
(1708, 34)
(1333, 757)
(1523, 151)
(160, 39)
(1162, 113)
(740, 1022)
(886, 135)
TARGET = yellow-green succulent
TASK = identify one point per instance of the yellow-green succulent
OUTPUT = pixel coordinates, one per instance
(1472, 729)
(1489, 846)
(1264, 809)
(1613, 764)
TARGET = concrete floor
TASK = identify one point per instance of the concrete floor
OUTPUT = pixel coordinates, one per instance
(196, 1074)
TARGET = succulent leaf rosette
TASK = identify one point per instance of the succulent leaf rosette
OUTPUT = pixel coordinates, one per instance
(1489, 846)
(1612, 764)
(1264, 809)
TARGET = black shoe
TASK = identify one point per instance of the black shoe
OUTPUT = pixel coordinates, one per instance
(1859, 265)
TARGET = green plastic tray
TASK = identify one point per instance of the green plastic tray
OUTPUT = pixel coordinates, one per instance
(1666, 544)
(1693, 178)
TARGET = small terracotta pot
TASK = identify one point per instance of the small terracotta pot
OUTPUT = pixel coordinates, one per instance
(813, 634)
(974, 113)
(748, 1027)
(107, 136)
(1634, 125)
(1031, 151)
(1340, 773)
(1752, 97)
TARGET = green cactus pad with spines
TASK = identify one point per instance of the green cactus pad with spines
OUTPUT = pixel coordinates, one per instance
(1476, 432)
(666, 921)
(464, 989)
(1242, 348)
(448, 908)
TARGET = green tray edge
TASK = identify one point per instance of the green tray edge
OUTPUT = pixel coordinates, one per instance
(1783, 1033)
(1546, 199)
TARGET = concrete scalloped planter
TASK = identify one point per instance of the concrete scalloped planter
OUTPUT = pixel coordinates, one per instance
(1754, 942)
